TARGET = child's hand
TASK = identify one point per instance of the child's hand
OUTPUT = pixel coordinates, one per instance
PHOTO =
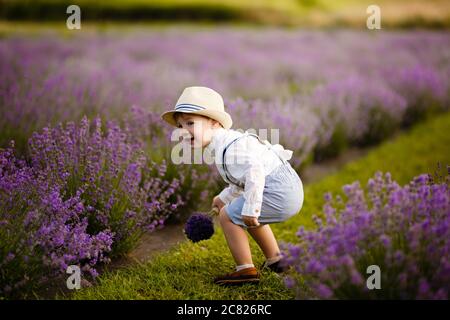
(217, 202)
(250, 221)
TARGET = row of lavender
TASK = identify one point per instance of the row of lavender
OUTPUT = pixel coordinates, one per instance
(392, 242)
(323, 90)
(85, 194)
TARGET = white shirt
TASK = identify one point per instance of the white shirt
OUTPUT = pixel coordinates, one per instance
(249, 162)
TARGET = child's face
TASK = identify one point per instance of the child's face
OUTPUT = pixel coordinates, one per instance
(200, 128)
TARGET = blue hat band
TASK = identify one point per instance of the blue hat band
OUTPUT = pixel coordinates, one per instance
(188, 107)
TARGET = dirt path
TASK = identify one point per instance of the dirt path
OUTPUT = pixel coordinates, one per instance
(159, 240)
(317, 171)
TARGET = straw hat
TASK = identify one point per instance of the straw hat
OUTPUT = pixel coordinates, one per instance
(202, 101)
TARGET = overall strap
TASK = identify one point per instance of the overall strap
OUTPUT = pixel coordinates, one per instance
(229, 177)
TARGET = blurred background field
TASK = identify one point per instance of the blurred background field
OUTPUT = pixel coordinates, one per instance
(84, 154)
(310, 13)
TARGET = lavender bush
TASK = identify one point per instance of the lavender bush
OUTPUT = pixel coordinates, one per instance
(118, 182)
(84, 196)
(404, 230)
(42, 230)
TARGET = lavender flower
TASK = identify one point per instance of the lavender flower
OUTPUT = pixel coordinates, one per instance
(404, 230)
(199, 227)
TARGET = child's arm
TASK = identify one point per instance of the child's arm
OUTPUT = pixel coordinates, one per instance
(254, 186)
(229, 193)
(248, 165)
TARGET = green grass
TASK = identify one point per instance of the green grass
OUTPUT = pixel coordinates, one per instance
(186, 271)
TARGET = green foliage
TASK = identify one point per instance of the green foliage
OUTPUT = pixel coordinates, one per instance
(381, 126)
(337, 144)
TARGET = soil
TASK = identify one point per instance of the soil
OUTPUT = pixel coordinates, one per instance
(159, 240)
(317, 171)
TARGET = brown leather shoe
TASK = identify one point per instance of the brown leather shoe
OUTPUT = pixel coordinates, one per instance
(247, 275)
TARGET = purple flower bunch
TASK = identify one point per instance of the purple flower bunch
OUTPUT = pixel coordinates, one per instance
(199, 227)
(83, 196)
(405, 231)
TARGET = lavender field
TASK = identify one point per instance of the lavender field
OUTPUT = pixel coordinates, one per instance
(85, 159)
(324, 82)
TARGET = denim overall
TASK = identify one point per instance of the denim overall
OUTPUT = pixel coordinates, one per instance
(282, 195)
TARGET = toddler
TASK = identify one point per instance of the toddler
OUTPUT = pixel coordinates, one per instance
(263, 188)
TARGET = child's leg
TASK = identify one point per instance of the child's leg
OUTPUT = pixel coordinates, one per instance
(237, 239)
(265, 238)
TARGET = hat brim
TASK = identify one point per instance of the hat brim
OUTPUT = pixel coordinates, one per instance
(221, 116)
